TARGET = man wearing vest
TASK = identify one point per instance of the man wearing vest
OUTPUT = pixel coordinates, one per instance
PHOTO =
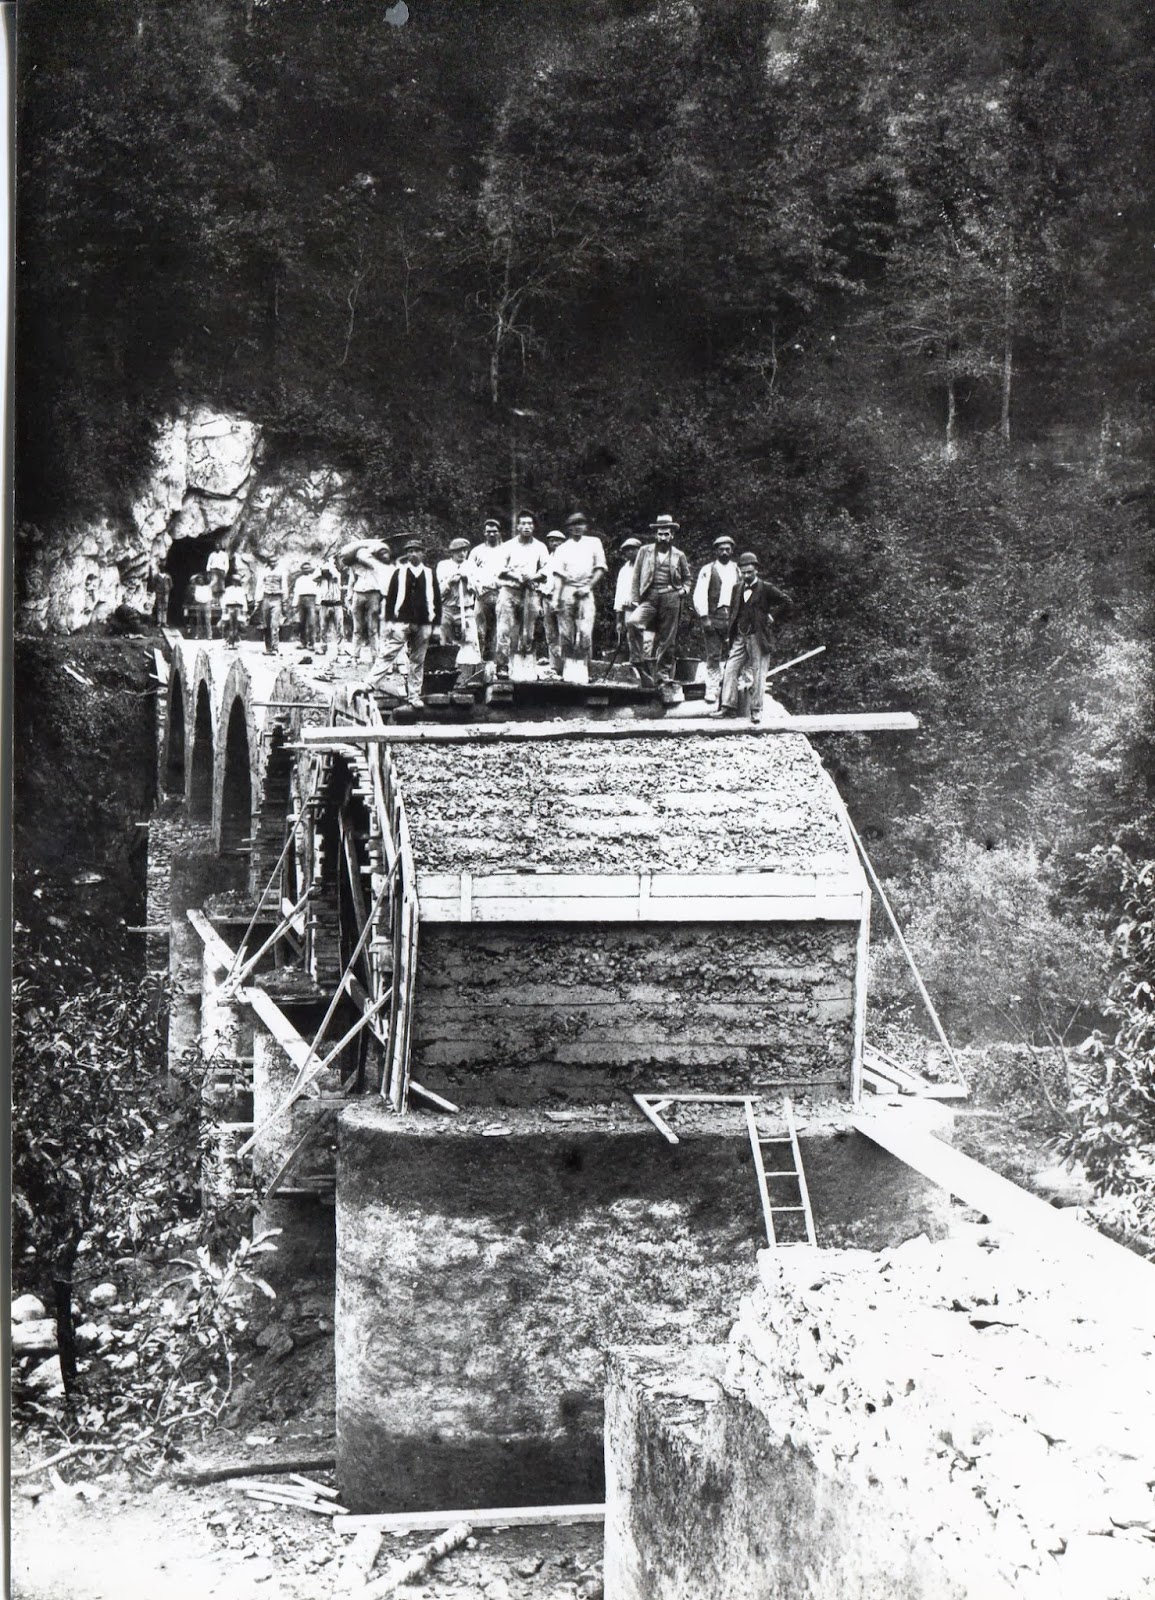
(661, 581)
(744, 680)
(412, 611)
(713, 594)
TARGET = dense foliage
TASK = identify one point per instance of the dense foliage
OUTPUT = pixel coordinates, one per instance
(868, 286)
(1114, 1108)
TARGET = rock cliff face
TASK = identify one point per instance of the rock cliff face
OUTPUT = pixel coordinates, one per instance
(209, 477)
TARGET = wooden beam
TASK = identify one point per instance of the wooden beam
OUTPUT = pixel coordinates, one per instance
(620, 908)
(216, 949)
(491, 1517)
(1003, 1202)
(861, 975)
(282, 1030)
(681, 727)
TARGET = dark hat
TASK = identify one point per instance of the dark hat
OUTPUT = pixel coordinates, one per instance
(723, 538)
(412, 545)
(746, 557)
(575, 517)
(554, 533)
(666, 521)
(492, 522)
(630, 544)
(459, 544)
(382, 548)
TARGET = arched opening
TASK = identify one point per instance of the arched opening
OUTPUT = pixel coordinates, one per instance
(276, 807)
(186, 556)
(237, 790)
(174, 744)
(200, 794)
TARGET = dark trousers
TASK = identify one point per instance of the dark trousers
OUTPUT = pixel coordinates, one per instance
(487, 624)
(662, 613)
(271, 618)
(307, 621)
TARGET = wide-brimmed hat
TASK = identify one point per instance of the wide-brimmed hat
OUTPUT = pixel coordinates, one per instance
(665, 521)
(723, 538)
(459, 544)
(575, 517)
(630, 544)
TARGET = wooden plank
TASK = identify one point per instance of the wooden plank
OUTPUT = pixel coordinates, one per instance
(437, 1100)
(681, 727)
(628, 885)
(621, 908)
(861, 979)
(489, 1517)
(531, 885)
(651, 1113)
(216, 949)
(161, 668)
(1004, 1203)
(760, 1174)
(278, 1025)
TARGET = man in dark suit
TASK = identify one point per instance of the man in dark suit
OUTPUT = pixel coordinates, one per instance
(744, 680)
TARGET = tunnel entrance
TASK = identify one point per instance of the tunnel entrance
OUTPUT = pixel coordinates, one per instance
(186, 556)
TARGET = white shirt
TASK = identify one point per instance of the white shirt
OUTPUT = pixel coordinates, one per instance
(577, 560)
(485, 561)
(728, 575)
(624, 590)
(306, 586)
(218, 561)
(453, 579)
(526, 559)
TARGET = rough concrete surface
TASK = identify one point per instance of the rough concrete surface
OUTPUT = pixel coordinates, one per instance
(487, 1262)
(936, 1420)
(677, 805)
(515, 1012)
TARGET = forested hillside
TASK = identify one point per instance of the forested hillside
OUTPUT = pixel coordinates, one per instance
(869, 286)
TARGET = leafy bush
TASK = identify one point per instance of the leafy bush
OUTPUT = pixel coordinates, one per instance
(997, 959)
(1114, 1104)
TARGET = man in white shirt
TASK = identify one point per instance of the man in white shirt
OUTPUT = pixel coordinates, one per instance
(458, 601)
(578, 567)
(370, 564)
(217, 565)
(485, 562)
(713, 596)
(412, 611)
(270, 597)
(554, 539)
(523, 576)
(624, 598)
(306, 601)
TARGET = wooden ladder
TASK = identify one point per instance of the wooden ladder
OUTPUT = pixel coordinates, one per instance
(758, 1144)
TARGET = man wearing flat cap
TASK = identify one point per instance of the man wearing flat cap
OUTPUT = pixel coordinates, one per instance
(624, 597)
(412, 611)
(751, 620)
(713, 594)
(458, 601)
(661, 582)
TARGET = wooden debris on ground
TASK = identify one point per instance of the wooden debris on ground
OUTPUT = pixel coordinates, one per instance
(419, 1563)
(254, 1469)
(485, 1517)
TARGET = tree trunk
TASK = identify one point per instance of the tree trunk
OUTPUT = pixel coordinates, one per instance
(1008, 354)
(62, 1308)
(950, 446)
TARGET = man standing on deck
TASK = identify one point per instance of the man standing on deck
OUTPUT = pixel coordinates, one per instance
(554, 540)
(713, 594)
(270, 598)
(624, 597)
(458, 602)
(485, 562)
(370, 564)
(412, 611)
(744, 680)
(579, 565)
(661, 582)
(520, 582)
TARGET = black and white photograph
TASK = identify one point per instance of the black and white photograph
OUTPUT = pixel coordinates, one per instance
(582, 923)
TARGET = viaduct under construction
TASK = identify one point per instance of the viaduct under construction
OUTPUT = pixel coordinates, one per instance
(541, 1015)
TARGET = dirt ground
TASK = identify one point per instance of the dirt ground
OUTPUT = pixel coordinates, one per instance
(177, 1542)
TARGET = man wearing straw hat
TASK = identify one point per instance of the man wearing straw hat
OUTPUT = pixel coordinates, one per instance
(661, 581)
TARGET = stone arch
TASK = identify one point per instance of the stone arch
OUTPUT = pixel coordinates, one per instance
(202, 764)
(276, 802)
(236, 807)
(173, 768)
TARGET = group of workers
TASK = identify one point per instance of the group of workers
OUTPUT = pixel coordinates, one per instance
(490, 600)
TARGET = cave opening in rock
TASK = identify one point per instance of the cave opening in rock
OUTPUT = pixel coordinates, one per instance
(186, 556)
